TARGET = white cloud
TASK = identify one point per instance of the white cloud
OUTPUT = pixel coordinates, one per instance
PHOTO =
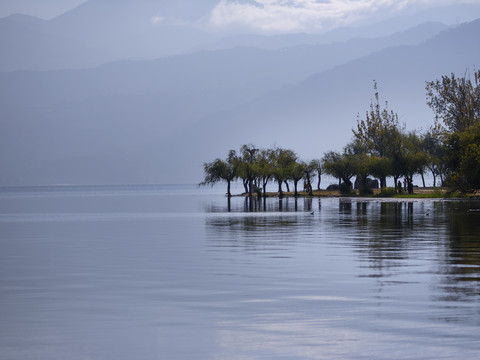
(157, 19)
(304, 15)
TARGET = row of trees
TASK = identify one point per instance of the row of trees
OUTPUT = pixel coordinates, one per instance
(381, 148)
(257, 167)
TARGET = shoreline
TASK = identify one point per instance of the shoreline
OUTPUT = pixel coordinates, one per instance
(419, 193)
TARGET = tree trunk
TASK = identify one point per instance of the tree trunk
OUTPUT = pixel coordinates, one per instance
(432, 170)
(280, 191)
(229, 194)
(295, 184)
(410, 184)
(383, 182)
(423, 180)
(319, 180)
(348, 183)
(288, 186)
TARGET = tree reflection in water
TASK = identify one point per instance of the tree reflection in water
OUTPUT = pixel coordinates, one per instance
(396, 242)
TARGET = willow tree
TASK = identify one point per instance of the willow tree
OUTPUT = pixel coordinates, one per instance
(221, 170)
(297, 172)
(283, 159)
(265, 165)
(248, 167)
(341, 166)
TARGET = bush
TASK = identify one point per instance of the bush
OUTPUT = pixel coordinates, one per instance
(345, 189)
(365, 190)
(387, 192)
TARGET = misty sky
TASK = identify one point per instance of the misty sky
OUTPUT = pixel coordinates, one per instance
(44, 9)
(264, 15)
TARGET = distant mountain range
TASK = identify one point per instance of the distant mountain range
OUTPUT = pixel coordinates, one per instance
(101, 31)
(157, 121)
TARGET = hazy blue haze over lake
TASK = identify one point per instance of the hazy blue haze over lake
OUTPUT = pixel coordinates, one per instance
(174, 272)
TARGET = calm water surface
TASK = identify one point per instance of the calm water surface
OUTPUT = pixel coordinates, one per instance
(178, 273)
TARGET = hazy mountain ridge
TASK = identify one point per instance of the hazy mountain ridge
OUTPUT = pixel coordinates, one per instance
(238, 68)
(100, 31)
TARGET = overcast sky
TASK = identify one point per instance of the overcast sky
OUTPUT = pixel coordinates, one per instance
(313, 15)
(263, 15)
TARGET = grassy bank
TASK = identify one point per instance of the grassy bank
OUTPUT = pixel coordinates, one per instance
(419, 193)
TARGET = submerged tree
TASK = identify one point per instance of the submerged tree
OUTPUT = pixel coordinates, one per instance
(248, 169)
(221, 170)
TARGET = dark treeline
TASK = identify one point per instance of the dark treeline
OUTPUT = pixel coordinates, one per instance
(380, 148)
(257, 167)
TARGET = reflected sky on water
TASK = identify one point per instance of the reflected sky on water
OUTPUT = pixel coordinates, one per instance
(178, 273)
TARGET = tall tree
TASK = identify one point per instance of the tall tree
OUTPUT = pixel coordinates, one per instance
(455, 100)
(432, 146)
(377, 130)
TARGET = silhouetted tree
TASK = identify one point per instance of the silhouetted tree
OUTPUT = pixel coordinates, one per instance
(220, 170)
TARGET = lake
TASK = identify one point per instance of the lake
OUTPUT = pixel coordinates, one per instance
(177, 272)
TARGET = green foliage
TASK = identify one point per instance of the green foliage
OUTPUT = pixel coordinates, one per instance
(341, 166)
(316, 165)
(378, 135)
(463, 159)
(221, 170)
(455, 100)
(377, 130)
(432, 146)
